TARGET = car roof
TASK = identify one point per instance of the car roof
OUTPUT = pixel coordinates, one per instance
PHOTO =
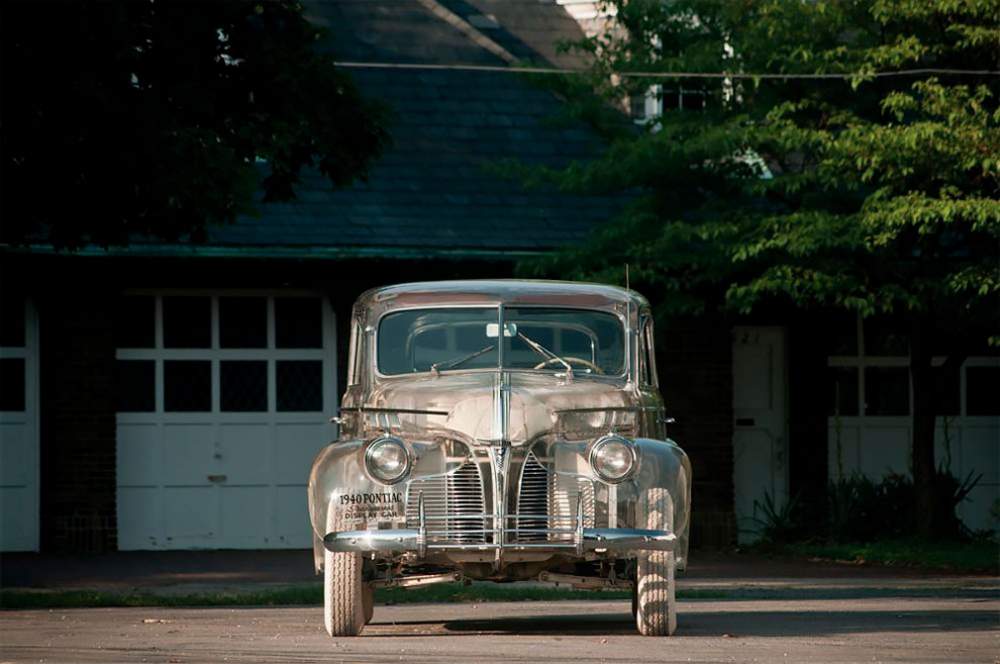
(506, 291)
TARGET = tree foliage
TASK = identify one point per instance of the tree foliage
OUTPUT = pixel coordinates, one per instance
(128, 119)
(871, 194)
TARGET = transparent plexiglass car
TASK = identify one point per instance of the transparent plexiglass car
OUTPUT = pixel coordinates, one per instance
(501, 431)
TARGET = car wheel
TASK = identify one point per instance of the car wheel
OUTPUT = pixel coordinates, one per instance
(343, 590)
(655, 590)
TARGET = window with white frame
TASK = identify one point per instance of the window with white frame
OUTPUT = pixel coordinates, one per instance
(193, 353)
(869, 376)
(658, 99)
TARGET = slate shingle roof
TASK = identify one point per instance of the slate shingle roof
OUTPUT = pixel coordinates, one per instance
(432, 188)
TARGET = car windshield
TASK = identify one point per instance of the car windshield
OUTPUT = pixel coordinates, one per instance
(533, 338)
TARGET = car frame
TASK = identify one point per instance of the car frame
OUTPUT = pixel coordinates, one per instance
(514, 462)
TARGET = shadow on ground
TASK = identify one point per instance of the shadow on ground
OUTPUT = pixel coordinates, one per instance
(713, 623)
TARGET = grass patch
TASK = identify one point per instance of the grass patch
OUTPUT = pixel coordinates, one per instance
(312, 595)
(974, 556)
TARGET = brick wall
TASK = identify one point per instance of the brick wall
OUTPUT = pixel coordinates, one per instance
(77, 422)
(694, 360)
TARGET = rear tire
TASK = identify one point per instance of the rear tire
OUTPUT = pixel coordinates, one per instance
(344, 591)
(655, 595)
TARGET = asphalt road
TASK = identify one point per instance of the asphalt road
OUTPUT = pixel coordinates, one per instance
(855, 630)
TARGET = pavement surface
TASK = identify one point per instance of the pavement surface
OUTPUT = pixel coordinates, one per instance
(777, 611)
(192, 571)
(829, 631)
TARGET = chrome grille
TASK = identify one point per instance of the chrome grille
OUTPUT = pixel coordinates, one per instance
(449, 501)
(532, 498)
(542, 492)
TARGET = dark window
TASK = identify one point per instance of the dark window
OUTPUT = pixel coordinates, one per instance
(242, 322)
(982, 391)
(947, 396)
(300, 385)
(694, 100)
(187, 322)
(671, 100)
(843, 398)
(12, 384)
(187, 385)
(135, 322)
(136, 386)
(11, 320)
(298, 322)
(243, 385)
(887, 391)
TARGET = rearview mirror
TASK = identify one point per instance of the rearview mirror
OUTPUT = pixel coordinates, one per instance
(493, 330)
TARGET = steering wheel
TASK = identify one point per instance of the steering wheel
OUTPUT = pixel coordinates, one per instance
(571, 360)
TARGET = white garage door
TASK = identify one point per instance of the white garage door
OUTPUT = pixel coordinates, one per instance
(224, 400)
(18, 425)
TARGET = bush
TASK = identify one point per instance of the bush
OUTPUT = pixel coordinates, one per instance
(860, 509)
(863, 510)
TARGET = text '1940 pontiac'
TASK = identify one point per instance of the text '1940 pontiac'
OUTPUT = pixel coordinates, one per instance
(504, 431)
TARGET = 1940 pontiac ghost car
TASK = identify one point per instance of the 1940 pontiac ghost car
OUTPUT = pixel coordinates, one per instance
(504, 431)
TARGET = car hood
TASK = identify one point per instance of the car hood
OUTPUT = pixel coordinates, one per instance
(483, 407)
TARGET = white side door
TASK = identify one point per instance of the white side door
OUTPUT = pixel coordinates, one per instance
(760, 459)
(18, 426)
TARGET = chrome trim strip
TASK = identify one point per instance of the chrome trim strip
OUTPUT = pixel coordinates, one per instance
(591, 539)
(407, 411)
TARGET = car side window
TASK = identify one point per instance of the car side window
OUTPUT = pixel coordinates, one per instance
(647, 357)
(354, 354)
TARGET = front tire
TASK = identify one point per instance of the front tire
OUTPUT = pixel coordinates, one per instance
(655, 594)
(344, 611)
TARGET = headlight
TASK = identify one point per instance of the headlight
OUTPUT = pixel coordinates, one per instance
(613, 458)
(387, 460)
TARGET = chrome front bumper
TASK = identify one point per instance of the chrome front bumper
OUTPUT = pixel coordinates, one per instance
(585, 540)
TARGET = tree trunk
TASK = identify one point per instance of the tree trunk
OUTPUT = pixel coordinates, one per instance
(924, 411)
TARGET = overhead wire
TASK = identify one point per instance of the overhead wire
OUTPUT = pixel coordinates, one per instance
(431, 66)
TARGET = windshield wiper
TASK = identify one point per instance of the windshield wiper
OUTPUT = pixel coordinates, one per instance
(451, 364)
(546, 353)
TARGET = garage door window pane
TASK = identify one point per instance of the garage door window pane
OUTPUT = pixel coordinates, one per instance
(187, 385)
(135, 322)
(11, 320)
(187, 322)
(244, 385)
(12, 384)
(982, 391)
(887, 391)
(300, 385)
(298, 322)
(243, 322)
(843, 383)
(136, 386)
(947, 396)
